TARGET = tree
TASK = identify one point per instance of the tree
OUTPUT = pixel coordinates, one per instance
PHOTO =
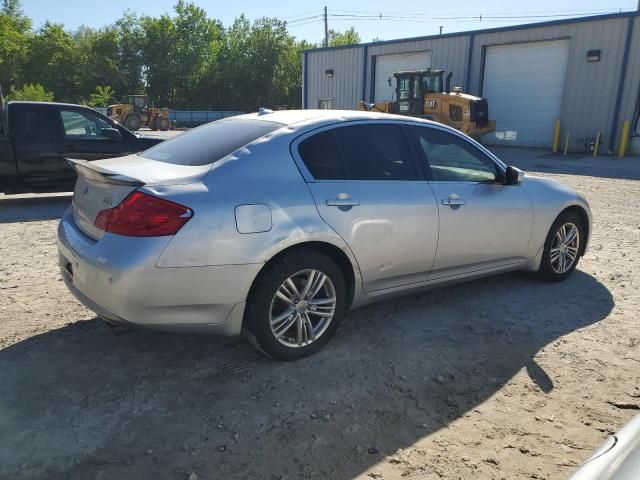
(100, 58)
(14, 43)
(131, 39)
(348, 37)
(31, 91)
(101, 97)
(55, 61)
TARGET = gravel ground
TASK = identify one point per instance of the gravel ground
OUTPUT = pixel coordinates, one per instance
(503, 378)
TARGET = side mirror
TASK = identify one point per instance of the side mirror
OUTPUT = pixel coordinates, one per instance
(513, 176)
(112, 134)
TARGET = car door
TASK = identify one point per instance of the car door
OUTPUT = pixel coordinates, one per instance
(367, 187)
(37, 141)
(84, 136)
(483, 223)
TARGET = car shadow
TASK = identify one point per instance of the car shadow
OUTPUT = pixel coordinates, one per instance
(23, 208)
(79, 402)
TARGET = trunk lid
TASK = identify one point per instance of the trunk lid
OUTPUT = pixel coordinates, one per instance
(104, 184)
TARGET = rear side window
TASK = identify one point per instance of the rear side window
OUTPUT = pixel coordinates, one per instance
(375, 152)
(211, 142)
(320, 155)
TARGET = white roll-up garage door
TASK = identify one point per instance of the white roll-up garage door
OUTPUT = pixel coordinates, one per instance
(524, 84)
(387, 65)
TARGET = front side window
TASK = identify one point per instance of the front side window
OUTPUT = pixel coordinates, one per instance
(453, 159)
(374, 152)
(83, 125)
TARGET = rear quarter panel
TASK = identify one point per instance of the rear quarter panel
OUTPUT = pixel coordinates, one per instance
(261, 173)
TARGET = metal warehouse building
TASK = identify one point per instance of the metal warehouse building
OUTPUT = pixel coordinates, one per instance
(583, 71)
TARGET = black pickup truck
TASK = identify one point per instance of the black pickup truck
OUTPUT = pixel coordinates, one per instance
(36, 137)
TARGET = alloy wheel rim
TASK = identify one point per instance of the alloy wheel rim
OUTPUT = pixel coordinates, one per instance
(302, 308)
(564, 249)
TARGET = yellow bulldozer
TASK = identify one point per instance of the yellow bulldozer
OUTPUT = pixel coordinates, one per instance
(137, 113)
(421, 93)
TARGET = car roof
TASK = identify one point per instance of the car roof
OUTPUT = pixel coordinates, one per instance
(290, 117)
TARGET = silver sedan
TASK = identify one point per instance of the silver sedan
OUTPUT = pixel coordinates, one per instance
(275, 224)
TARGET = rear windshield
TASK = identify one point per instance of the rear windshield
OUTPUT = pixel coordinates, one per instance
(211, 142)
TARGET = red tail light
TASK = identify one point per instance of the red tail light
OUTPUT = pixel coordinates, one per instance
(143, 215)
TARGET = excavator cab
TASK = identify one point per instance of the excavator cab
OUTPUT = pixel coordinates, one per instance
(412, 86)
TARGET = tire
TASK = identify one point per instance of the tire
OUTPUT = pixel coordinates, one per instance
(552, 269)
(162, 123)
(263, 305)
(153, 124)
(132, 123)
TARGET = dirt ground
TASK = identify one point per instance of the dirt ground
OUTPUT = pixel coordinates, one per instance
(503, 378)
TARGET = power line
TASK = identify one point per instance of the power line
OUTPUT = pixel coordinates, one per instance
(304, 23)
(300, 14)
(294, 22)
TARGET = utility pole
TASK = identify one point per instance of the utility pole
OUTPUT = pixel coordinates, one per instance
(441, 27)
(326, 28)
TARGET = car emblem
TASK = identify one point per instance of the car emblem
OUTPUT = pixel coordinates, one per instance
(108, 201)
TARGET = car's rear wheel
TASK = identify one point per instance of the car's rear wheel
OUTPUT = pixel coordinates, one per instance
(562, 247)
(296, 305)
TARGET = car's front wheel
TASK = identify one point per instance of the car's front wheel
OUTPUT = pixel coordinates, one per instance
(296, 305)
(562, 247)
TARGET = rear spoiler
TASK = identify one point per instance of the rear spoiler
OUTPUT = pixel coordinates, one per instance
(102, 175)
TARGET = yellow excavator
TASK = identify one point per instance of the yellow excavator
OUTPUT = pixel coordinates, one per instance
(137, 113)
(421, 93)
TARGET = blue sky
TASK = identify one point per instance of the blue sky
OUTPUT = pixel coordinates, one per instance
(417, 19)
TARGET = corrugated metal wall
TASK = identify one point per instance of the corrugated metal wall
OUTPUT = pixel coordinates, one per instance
(590, 92)
(345, 86)
(631, 89)
(449, 54)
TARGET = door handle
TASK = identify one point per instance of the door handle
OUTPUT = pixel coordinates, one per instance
(453, 202)
(343, 202)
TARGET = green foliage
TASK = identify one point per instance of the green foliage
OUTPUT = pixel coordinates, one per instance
(348, 37)
(183, 60)
(101, 97)
(31, 91)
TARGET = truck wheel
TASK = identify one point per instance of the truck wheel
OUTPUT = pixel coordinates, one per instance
(153, 124)
(132, 123)
(163, 123)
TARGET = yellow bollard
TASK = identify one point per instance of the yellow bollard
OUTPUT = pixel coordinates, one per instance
(566, 142)
(624, 138)
(556, 136)
(597, 145)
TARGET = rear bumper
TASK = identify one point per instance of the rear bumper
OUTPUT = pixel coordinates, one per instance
(118, 279)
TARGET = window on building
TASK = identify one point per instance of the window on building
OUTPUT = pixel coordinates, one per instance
(325, 103)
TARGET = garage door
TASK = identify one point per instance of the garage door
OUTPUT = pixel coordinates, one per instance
(524, 85)
(387, 65)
